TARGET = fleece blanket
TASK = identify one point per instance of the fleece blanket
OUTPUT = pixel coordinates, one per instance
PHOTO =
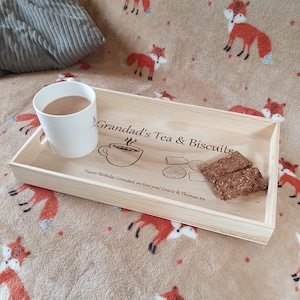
(51, 35)
(230, 55)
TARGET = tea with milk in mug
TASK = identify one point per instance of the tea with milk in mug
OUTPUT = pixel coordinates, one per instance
(66, 105)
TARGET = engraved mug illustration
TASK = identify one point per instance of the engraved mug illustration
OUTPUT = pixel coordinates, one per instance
(121, 155)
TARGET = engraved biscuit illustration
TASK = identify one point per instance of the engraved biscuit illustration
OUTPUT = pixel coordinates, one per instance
(196, 164)
(174, 172)
(176, 160)
(196, 176)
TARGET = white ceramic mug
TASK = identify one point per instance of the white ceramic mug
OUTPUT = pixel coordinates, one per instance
(71, 135)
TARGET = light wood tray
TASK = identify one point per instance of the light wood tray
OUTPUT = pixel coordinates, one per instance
(146, 161)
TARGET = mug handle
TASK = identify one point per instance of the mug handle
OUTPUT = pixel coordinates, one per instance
(103, 150)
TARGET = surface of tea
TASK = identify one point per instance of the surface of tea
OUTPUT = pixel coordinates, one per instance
(66, 105)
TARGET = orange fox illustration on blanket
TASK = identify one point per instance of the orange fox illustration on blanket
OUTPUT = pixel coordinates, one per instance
(272, 110)
(11, 286)
(50, 208)
(146, 5)
(236, 16)
(287, 174)
(65, 77)
(153, 61)
(171, 295)
(166, 229)
(164, 96)
(34, 121)
(296, 275)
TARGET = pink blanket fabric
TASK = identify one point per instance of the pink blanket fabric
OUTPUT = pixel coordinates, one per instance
(244, 59)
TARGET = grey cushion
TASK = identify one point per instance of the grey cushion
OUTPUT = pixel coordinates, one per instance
(41, 35)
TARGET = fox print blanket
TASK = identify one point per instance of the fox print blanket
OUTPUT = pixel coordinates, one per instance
(239, 57)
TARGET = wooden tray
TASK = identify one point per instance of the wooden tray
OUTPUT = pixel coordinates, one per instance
(146, 161)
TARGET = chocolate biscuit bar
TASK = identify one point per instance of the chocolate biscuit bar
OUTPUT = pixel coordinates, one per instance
(240, 183)
(232, 163)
